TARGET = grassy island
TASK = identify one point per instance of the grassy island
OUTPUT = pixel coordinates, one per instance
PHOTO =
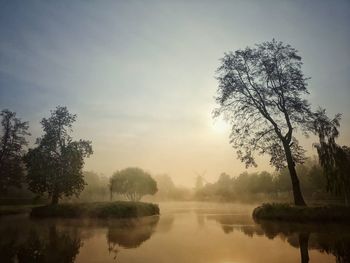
(119, 209)
(287, 212)
(15, 209)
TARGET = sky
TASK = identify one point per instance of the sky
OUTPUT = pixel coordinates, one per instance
(140, 75)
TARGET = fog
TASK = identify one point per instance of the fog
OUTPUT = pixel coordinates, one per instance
(175, 131)
(140, 76)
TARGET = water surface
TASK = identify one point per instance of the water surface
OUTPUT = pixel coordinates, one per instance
(184, 232)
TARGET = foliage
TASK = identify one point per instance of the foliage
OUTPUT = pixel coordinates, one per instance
(12, 143)
(55, 164)
(167, 190)
(119, 209)
(259, 186)
(96, 188)
(260, 93)
(15, 209)
(133, 183)
(334, 159)
(294, 213)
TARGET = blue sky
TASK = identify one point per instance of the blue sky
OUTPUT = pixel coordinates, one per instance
(140, 74)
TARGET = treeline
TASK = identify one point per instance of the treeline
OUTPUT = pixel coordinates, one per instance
(53, 169)
(98, 188)
(266, 186)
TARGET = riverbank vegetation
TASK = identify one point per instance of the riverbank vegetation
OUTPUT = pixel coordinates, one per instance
(118, 209)
(286, 212)
(265, 186)
(15, 209)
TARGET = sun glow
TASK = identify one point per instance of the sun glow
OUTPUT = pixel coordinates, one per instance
(220, 126)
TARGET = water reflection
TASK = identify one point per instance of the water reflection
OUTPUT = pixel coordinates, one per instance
(38, 243)
(129, 233)
(203, 234)
(326, 238)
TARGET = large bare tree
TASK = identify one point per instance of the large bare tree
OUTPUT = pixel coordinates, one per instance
(261, 94)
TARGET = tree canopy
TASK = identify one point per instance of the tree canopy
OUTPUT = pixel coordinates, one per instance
(132, 183)
(334, 159)
(55, 164)
(261, 93)
(12, 143)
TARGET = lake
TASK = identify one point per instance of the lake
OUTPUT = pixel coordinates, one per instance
(184, 232)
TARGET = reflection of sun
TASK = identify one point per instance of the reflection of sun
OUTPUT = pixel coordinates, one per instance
(220, 125)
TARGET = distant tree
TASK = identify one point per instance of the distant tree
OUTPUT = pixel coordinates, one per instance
(12, 143)
(95, 188)
(282, 181)
(316, 179)
(263, 183)
(224, 185)
(334, 159)
(55, 164)
(260, 92)
(166, 186)
(133, 183)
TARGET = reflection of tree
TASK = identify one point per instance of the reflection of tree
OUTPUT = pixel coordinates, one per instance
(130, 233)
(57, 247)
(241, 223)
(329, 238)
(304, 247)
(39, 244)
(165, 223)
(337, 244)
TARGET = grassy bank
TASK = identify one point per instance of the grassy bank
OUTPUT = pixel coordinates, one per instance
(15, 209)
(120, 209)
(286, 212)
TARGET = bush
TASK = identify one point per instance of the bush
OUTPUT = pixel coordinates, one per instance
(118, 209)
(288, 212)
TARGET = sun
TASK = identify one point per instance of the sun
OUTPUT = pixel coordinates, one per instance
(220, 126)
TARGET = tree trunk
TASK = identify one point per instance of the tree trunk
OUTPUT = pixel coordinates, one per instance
(54, 199)
(298, 196)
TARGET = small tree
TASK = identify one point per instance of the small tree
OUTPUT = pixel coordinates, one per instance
(260, 93)
(334, 159)
(55, 164)
(133, 183)
(12, 143)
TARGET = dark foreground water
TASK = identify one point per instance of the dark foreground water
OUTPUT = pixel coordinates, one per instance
(185, 232)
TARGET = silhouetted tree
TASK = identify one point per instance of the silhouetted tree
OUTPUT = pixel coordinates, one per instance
(12, 142)
(260, 93)
(55, 164)
(133, 183)
(334, 159)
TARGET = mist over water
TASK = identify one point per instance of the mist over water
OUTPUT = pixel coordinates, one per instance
(184, 232)
(172, 131)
